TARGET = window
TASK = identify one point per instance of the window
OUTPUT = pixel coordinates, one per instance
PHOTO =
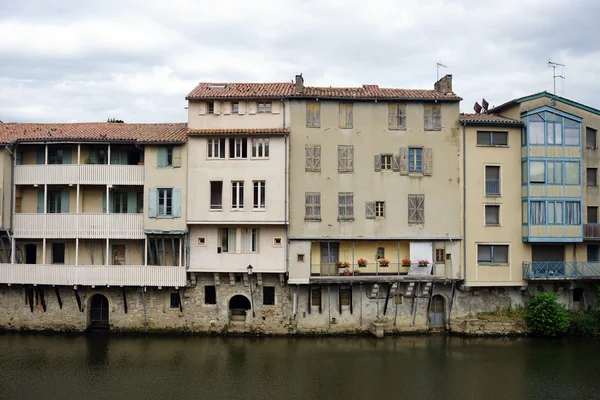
(345, 296)
(492, 254)
(264, 107)
(345, 158)
(312, 162)
(380, 253)
(492, 215)
(440, 255)
(374, 209)
(238, 148)
(592, 253)
(216, 195)
(260, 148)
(415, 160)
(590, 138)
(211, 107)
(380, 209)
(277, 241)
(592, 215)
(387, 161)
(591, 174)
(201, 241)
(268, 295)
(227, 240)
(174, 303)
(119, 202)
(300, 258)
(492, 138)
(216, 148)
(345, 206)
(345, 115)
(250, 237)
(313, 114)
(236, 108)
(571, 132)
(165, 156)
(58, 253)
(555, 172)
(433, 117)
(312, 205)
(210, 295)
(397, 116)
(536, 129)
(165, 202)
(54, 201)
(259, 195)
(139, 203)
(492, 180)
(572, 173)
(537, 213)
(537, 172)
(416, 208)
(315, 297)
(553, 129)
(572, 213)
(555, 212)
(56, 156)
(237, 195)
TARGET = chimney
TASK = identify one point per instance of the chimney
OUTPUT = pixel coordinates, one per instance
(444, 85)
(299, 84)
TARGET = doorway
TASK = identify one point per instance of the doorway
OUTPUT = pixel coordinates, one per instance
(548, 260)
(238, 307)
(30, 254)
(437, 312)
(330, 253)
(99, 312)
(118, 251)
(579, 300)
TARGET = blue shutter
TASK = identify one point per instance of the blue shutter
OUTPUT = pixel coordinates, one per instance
(176, 203)
(124, 158)
(103, 202)
(162, 157)
(93, 156)
(111, 202)
(67, 156)
(131, 202)
(40, 202)
(114, 157)
(152, 202)
(64, 202)
(40, 156)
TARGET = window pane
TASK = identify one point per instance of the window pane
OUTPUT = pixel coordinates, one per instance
(500, 138)
(500, 254)
(558, 206)
(590, 138)
(484, 138)
(536, 132)
(537, 213)
(551, 212)
(492, 215)
(592, 215)
(536, 172)
(591, 176)
(551, 172)
(484, 253)
(572, 173)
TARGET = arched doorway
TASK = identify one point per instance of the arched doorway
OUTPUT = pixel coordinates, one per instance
(578, 299)
(238, 306)
(99, 312)
(437, 312)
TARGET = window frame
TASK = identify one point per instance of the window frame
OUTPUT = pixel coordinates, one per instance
(416, 155)
(237, 152)
(594, 252)
(227, 240)
(168, 196)
(379, 209)
(251, 236)
(209, 295)
(314, 207)
(587, 177)
(491, 193)
(215, 148)
(397, 116)
(492, 260)
(264, 107)
(591, 133)
(433, 114)
(595, 210)
(485, 215)
(385, 165)
(490, 142)
(260, 145)
(259, 191)
(235, 107)
(237, 195)
(345, 206)
(268, 295)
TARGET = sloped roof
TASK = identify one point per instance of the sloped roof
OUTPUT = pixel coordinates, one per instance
(548, 95)
(208, 90)
(94, 131)
(487, 119)
(239, 131)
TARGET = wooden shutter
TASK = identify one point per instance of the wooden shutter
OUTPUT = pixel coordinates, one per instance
(64, 202)
(370, 209)
(341, 159)
(345, 115)
(396, 163)
(403, 160)
(217, 107)
(242, 108)
(313, 114)
(152, 202)
(275, 106)
(176, 201)
(252, 107)
(202, 108)
(177, 157)
(226, 107)
(40, 201)
(427, 161)
(317, 158)
(162, 157)
(393, 116)
(437, 117)
(317, 205)
(416, 208)
(428, 116)
(345, 158)
(350, 205)
(341, 206)
(377, 162)
(312, 158)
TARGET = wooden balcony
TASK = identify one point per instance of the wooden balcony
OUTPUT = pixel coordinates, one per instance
(591, 231)
(83, 226)
(92, 275)
(72, 174)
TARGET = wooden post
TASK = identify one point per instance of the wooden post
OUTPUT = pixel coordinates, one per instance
(44, 251)
(76, 251)
(146, 251)
(107, 252)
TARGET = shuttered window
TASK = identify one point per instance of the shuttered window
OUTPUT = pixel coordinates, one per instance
(374, 209)
(164, 203)
(312, 205)
(397, 116)
(416, 160)
(165, 157)
(312, 158)
(313, 114)
(345, 115)
(433, 117)
(416, 208)
(345, 206)
(345, 158)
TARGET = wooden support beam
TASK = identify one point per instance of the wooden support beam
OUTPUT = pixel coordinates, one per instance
(124, 301)
(30, 297)
(387, 298)
(40, 292)
(179, 300)
(309, 298)
(173, 250)
(79, 305)
(58, 297)
(164, 251)
(351, 299)
(340, 299)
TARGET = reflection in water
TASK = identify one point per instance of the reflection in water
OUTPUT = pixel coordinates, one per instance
(101, 366)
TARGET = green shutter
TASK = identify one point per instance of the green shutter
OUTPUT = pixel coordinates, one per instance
(40, 156)
(103, 202)
(152, 202)
(111, 202)
(93, 156)
(124, 158)
(67, 156)
(114, 157)
(176, 203)
(131, 202)
(64, 202)
(40, 202)
(162, 157)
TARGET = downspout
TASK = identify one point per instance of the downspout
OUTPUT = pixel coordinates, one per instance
(12, 186)
(287, 189)
(464, 203)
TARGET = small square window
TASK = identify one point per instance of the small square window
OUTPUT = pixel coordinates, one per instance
(269, 295)
(448, 256)
(175, 300)
(386, 161)
(236, 108)
(201, 241)
(440, 255)
(592, 215)
(301, 258)
(211, 108)
(210, 295)
(380, 208)
(492, 215)
(277, 242)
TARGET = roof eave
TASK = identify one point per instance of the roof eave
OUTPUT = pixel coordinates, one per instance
(482, 123)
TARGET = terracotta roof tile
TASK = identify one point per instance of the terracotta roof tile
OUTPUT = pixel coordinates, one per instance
(239, 131)
(487, 119)
(207, 90)
(102, 131)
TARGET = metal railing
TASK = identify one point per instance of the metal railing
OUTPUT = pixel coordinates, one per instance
(370, 269)
(72, 174)
(492, 187)
(560, 269)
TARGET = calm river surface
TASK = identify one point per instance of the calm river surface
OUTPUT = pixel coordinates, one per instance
(122, 367)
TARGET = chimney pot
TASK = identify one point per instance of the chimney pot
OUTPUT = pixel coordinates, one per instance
(299, 84)
(444, 85)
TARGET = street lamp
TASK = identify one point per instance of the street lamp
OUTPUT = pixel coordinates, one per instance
(251, 291)
(249, 269)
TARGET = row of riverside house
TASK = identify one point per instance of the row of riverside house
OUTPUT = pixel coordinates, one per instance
(284, 208)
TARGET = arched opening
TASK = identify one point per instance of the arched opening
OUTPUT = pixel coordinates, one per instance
(99, 312)
(437, 312)
(238, 306)
(578, 299)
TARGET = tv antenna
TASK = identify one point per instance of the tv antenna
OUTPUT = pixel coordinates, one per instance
(554, 76)
(437, 66)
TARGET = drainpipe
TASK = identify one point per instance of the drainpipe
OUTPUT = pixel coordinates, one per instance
(464, 203)
(287, 189)
(12, 185)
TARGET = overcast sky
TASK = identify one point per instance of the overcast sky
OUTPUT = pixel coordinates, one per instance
(68, 61)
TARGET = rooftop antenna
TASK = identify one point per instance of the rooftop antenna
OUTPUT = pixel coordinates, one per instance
(437, 66)
(554, 76)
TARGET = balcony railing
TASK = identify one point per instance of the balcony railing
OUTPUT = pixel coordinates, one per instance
(591, 230)
(84, 226)
(560, 270)
(92, 275)
(370, 269)
(492, 187)
(72, 174)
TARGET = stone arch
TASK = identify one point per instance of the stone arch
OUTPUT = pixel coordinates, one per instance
(99, 312)
(238, 307)
(437, 311)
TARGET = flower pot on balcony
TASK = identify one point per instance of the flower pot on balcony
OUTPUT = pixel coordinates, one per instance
(356, 272)
(141, 163)
(346, 272)
(362, 265)
(423, 265)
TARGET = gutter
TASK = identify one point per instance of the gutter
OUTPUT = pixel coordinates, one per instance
(464, 202)
(287, 189)
(317, 97)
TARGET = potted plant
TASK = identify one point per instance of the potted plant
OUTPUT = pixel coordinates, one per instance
(87, 161)
(383, 262)
(346, 272)
(356, 272)
(140, 163)
(405, 262)
(423, 263)
(362, 263)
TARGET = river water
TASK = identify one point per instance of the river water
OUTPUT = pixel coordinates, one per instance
(35, 366)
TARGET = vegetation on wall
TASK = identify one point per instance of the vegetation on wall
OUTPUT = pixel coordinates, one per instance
(545, 316)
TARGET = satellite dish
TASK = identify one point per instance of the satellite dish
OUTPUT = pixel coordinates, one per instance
(485, 105)
(477, 108)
